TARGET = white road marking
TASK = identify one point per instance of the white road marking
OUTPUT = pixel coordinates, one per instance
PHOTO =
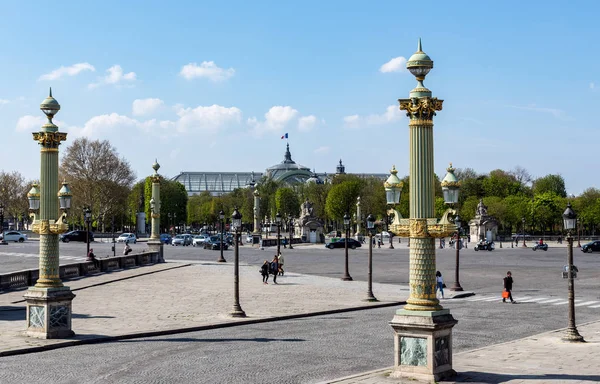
(586, 303)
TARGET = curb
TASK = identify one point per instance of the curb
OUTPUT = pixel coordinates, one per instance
(139, 335)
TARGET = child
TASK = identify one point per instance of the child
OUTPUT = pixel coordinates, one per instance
(439, 282)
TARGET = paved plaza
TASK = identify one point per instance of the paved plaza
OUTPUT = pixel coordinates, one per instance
(190, 294)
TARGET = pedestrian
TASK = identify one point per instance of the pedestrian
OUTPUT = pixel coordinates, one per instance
(92, 257)
(439, 283)
(127, 249)
(280, 261)
(508, 283)
(284, 242)
(379, 242)
(264, 271)
(274, 268)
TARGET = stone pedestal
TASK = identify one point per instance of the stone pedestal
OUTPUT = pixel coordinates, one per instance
(157, 246)
(49, 312)
(423, 344)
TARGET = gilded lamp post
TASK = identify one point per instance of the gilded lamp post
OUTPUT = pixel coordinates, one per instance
(49, 301)
(423, 329)
(154, 244)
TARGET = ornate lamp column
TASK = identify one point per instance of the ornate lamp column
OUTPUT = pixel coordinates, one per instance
(278, 221)
(49, 301)
(154, 244)
(423, 329)
(221, 259)
(370, 231)
(346, 276)
(451, 189)
(358, 234)
(257, 231)
(570, 220)
(236, 225)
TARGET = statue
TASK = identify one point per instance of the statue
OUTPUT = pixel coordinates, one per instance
(307, 212)
(481, 209)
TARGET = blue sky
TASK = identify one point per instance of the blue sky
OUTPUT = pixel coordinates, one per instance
(212, 86)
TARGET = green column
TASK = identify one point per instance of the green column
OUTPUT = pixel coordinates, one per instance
(420, 107)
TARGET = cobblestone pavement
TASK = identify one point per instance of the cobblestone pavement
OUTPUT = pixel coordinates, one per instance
(542, 358)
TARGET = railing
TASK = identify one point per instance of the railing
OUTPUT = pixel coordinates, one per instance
(27, 278)
(273, 242)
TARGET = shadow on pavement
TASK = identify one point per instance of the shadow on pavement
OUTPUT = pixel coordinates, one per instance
(86, 316)
(497, 378)
(222, 340)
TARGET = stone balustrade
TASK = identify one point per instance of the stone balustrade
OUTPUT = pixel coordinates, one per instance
(27, 278)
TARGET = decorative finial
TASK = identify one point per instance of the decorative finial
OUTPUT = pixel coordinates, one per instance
(393, 171)
(450, 168)
(50, 92)
(419, 49)
(156, 166)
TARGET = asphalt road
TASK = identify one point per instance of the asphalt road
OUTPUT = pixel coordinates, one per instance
(305, 350)
(534, 272)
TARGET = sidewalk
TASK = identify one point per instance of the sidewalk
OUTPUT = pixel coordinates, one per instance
(167, 297)
(542, 358)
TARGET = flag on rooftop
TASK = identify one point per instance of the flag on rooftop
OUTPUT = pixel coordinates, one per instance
(284, 136)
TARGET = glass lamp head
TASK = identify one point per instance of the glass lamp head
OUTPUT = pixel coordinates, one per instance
(152, 204)
(370, 222)
(278, 218)
(64, 197)
(34, 197)
(450, 186)
(346, 219)
(221, 215)
(569, 218)
(236, 220)
(393, 187)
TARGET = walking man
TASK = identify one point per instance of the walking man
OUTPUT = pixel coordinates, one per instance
(508, 282)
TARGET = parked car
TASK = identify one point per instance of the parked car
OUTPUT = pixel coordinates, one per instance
(76, 236)
(594, 246)
(165, 238)
(178, 240)
(127, 237)
(187, 239)
(198, 240)
(13, 236)
(341, 243)
(214, 243)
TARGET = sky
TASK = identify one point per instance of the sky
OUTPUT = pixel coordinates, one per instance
(212, 86)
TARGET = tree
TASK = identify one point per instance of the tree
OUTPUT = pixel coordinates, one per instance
(317, 195)
(98, 177)
(521, 175)
(287, 202)
(550, 183)
(470, 183)
(500, 183)
(13, 194)
(342, 199)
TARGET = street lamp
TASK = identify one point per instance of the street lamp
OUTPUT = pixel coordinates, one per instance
(451, 190)
(278, 222)
(291, 231)
(49, 301)
(370, 231)
(393, 190)
(236, 224)
(523, 220)
(87, 214)
(222, 219)
(570, 222)
(3, 242)
(347, 276)
(578, 233)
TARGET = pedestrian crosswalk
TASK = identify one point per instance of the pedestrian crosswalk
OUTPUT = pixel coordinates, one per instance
(35, 255)
(533, 300)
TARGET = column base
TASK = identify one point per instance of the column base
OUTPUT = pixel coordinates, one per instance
(237, 311)
(49, 312)
(423, 345)
(573, 336)
(157, 246)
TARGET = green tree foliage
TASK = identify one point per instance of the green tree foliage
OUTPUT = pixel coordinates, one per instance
(550, 183)
(546, 210)
(342, 199)
(287, 202)
(372, 198)
(501, 184)
(267, 188)
(471, 183)
(13, 194)
(517, 208)
(587, 207)
(317, 195)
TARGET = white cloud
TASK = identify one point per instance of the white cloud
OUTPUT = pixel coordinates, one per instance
(145, 106)
(207, 69)
(558, 113)
(4, 101)
(307, 123)
(207, 119)
(397, 64)
(34, 123)
(30, 123)
(276, 119)
(101, 124)
(322, 150)
(392, 114)
(115, 76)
(73, 70)
(592, 86)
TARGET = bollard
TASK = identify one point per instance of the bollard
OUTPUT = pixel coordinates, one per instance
(500, 244)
